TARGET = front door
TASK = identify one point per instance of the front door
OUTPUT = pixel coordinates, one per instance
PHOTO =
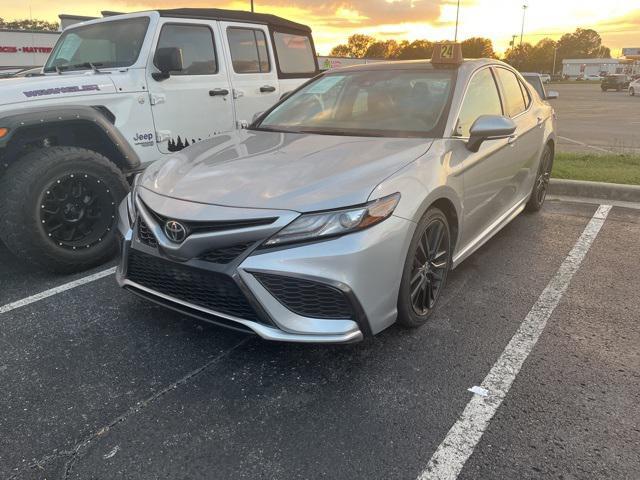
(253, 70)
(488, 173)
(195, 103)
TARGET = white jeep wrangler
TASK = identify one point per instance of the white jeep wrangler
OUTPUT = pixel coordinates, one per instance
(117, 93)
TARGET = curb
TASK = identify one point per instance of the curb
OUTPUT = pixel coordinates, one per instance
(600, 190)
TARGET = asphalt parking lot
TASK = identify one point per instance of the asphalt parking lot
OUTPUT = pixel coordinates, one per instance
(593, 121)
(98, 384)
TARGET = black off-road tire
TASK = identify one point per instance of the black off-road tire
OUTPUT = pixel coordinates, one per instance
(407, 315)
(27, 186)
(541, 185)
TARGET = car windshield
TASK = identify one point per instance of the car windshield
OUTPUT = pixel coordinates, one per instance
(115, 43)
(386, 103)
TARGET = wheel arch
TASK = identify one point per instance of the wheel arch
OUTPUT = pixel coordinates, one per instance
(78, 126)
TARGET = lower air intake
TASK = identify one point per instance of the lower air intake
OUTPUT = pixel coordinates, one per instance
(307, 298)
(210, 290)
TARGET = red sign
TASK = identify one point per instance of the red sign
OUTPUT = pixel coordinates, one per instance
(7, 49)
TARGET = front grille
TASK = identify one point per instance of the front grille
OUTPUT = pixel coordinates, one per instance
(210, 290)
(226, 254)
(307, 298)
(215, 226)
(144, 234)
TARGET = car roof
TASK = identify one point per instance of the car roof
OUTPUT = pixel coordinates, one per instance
(233, 16)
(419, 65)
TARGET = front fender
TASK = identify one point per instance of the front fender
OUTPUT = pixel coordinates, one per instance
(99, 117)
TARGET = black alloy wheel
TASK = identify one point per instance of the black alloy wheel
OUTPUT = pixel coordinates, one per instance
(430, 264)
(541, 186)
(77, 211)
(426, 269)
(58, 207)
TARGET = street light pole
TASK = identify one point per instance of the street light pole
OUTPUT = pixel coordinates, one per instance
(457, 18)
(252, 5)
(524, 11)
(555, 55)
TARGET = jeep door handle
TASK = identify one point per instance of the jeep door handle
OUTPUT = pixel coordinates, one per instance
(267, 89)
(219, 92)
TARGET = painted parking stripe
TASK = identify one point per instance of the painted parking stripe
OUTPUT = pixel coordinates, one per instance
(449, 458)
(54, 291)
(576, 142)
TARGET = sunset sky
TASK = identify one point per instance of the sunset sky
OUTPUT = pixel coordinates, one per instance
(333, 21)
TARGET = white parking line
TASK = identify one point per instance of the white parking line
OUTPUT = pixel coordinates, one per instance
(54, 291)
(462, 438)
(600, 149)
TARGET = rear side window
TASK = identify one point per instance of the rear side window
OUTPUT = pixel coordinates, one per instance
(196, 44)
(482, 98)
(248, 49)
(514, 97)
(294, 52)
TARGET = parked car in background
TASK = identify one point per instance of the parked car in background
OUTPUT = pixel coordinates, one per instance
(341, 209)
(118, 93)
(590, 78)
(536, 81)
(545, 77)
(617, 82)
(634, 88)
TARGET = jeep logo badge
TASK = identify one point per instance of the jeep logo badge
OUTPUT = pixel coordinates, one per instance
(175, 231)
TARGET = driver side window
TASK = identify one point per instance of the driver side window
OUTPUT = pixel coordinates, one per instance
(482, 98)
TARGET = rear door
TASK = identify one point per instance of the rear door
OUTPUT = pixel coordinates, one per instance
(196, 103)
(252, 68)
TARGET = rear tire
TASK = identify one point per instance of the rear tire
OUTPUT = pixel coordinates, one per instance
(425, 270)
(632, 92)
(541, 185)
(58, 206)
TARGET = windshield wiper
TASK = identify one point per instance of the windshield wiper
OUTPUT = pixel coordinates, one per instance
(78, 66)
(339, 133)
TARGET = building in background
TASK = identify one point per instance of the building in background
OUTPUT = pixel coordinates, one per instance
(582, 67)
(22, 49)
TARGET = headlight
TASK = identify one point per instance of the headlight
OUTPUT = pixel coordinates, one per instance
(131, 198)
(314, 226)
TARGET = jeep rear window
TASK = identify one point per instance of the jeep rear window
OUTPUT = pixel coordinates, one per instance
(107, 44)
(295, 54)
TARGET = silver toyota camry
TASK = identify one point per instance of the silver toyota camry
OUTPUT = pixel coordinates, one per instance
(342, 209)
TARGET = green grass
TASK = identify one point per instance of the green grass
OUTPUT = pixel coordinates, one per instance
(609, 168)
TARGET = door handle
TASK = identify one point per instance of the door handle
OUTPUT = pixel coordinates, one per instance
(512, 140)
(219, 92)
(267, 89)
(540, 122)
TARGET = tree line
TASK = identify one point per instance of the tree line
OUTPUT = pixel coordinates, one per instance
(29, 24)
(583, 43)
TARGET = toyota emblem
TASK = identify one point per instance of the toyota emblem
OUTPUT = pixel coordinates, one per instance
(175, 231)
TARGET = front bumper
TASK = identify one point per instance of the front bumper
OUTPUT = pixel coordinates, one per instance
(358, 274)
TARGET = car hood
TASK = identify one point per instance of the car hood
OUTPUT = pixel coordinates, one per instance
(282, 171)
(31, 89)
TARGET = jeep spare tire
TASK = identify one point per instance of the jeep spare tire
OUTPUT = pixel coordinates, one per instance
(58, 206)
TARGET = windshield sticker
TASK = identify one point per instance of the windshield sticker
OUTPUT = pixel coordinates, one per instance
(69, 47)
(59, 90)
(324, 85)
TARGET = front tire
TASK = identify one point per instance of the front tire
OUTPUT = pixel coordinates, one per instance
(425, 270)
(541, 185)
(59, 205)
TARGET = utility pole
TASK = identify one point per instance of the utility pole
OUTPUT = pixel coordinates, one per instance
(457, 18)
(252, 5)
(524, 11)
(555, 55)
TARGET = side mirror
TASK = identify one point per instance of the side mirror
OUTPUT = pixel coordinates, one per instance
(552, 95)
(489, 127)
(167, 60)
(256, 116)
